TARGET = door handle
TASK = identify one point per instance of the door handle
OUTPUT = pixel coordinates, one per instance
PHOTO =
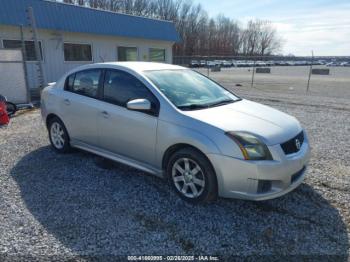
(105, 114)
(66, 102)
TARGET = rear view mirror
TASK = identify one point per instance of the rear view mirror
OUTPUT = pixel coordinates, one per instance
(139, 105)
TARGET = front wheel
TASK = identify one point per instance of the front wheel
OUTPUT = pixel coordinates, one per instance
(58, 136)
(192, 176)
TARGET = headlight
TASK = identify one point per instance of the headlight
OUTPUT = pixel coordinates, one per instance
(252, 148)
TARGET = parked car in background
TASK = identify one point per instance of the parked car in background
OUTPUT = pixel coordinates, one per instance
(278, 63)
(203, 63)
(194, 63)
(239, 63)
(260, 64)
(283, 63)
(178, 124)
(226, 63)
(249, 63)
(333, 64)
(300, 63)
(211, 64)
(218, 62)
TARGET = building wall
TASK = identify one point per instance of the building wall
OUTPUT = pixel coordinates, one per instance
(104, 49)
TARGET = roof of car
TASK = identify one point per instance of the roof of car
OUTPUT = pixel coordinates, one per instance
(142, 66)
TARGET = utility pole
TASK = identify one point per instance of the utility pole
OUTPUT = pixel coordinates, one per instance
(310, 72)
(253, 74)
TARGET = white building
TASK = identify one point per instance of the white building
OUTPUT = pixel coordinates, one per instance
(70, 36)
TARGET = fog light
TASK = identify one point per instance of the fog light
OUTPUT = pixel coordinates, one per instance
(264, 186)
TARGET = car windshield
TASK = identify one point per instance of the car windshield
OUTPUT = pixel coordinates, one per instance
(189, 90)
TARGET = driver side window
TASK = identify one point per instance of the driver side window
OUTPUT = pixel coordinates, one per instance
(121, 87)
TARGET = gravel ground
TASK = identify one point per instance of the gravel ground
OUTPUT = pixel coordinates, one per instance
(80, 206)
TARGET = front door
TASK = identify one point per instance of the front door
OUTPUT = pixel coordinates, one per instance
(122, 131)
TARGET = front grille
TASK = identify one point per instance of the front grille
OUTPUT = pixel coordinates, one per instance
(297, 175)
(290, 147)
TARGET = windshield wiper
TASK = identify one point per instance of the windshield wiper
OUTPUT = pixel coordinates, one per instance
(204, 106)
(192, 107)
(221, 103)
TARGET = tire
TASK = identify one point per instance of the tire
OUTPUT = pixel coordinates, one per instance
(11, 108)
(58, 135)
(192, 176)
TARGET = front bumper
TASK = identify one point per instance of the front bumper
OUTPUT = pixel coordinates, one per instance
(261, 180)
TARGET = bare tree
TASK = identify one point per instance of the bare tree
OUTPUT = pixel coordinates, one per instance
(200, 34)
(260, 38)
(269, 42)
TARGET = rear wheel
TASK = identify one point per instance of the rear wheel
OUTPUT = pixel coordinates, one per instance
(192, 176)
(11, 108)
(58, 136)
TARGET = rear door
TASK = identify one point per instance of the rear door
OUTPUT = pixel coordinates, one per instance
(79, 105)
(122, 131)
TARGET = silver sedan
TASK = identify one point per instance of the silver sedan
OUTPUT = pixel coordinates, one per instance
(178, 124)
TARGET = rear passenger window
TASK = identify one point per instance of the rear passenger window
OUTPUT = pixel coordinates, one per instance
(85, 83)
(70, 82)
(121, 87)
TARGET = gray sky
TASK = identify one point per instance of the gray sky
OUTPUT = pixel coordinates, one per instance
(319, 25)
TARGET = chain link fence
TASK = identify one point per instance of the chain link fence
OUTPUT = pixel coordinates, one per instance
(326, 76)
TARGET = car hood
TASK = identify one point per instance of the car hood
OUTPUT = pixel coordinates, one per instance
(271, 125)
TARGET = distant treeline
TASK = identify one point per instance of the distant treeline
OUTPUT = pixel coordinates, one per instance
(200, 34)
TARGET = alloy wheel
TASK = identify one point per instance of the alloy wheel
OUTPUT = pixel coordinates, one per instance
(57, 135)
(188, 177)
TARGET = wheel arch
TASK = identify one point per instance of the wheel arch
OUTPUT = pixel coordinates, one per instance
(52, 116)
(176, 147)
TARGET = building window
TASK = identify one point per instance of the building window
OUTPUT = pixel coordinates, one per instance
(29, 48)
(157, 55)
(127, 53)
(77, 52)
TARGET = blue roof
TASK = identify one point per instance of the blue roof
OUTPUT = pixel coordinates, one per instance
(70, 18)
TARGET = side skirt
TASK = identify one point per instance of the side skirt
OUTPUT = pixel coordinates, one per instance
(118, 158)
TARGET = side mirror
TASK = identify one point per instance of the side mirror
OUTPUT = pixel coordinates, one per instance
(139, 105)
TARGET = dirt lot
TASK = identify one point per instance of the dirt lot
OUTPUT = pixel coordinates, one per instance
(290, 79)
(76, 206)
